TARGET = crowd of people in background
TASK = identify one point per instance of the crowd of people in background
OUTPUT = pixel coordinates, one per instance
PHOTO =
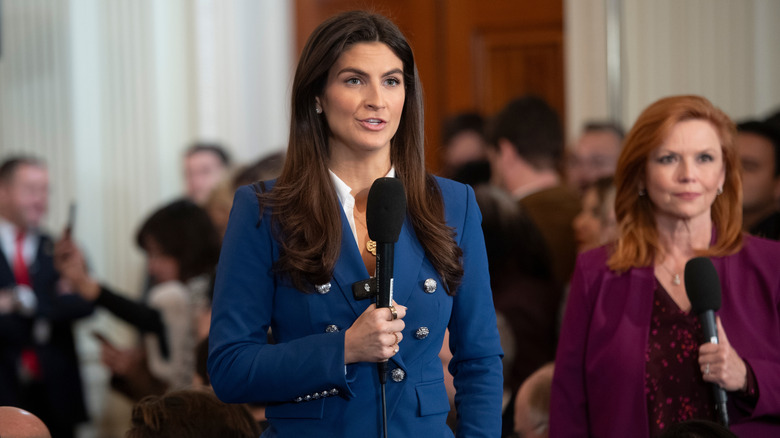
(46, 286)
(543, 204)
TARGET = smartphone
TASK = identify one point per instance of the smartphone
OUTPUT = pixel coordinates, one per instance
(71, 220)
(101, 337)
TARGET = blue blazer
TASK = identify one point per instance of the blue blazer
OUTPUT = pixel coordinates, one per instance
(302, 378)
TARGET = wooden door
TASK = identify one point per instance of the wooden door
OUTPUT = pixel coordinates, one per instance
(472, 55)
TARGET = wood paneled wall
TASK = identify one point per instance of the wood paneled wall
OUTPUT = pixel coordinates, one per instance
(471, 56)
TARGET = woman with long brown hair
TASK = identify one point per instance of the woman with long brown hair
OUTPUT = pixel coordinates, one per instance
(295, 247)
(630, 361)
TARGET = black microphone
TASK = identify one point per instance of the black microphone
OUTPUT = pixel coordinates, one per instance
(385, 213)
(702, 285)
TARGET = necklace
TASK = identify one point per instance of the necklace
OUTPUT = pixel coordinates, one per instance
(675, 276)
(370, 244)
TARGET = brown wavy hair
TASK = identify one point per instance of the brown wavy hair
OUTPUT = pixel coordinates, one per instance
(638, 242)
(190, 413)
(305, 208)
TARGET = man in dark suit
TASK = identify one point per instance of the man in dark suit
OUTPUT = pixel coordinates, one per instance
(526, 147)
(38, 365)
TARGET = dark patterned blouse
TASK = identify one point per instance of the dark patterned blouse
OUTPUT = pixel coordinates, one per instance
(674, 386)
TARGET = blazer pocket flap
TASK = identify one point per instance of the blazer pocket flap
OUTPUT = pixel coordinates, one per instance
(304, 409)
(432, 397)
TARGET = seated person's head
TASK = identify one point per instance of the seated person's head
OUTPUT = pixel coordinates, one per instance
(532, 405)
(18, 423)
(190, 414)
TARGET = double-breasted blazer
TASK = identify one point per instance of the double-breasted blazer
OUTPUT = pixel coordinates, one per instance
(302, 377)
(599, 383)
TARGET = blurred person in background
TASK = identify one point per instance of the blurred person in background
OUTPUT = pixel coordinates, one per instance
(596, 224)
(594, 155)
(525, 291)
(39, 369)
(205, 165)
(463, 142)
(758, 144)
(182, 248)
(525, 151)
(532, 409)
(774, 119)
(190, 413)
(220, 200)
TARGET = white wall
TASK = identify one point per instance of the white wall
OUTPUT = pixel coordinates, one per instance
(724, 50)
(243, 73)
(110, 93)
(586, 63)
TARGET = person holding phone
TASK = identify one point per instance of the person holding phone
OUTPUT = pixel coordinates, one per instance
(39, 368)
(181, 247)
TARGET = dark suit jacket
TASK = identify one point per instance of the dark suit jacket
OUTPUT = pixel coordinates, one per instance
(599, 383)
(553, 210)
(768, 228)
(57, 356)
(308, 360)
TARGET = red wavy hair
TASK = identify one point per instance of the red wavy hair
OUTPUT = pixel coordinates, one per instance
(638, 242)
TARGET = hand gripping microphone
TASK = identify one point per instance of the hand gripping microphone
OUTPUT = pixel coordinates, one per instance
(702, 285)
(385, 214)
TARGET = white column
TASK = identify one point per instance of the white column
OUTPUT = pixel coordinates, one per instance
(766, 15)
(244, 60)
(586, 64)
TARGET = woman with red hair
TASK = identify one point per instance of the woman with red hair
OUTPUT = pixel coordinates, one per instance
(629, 361)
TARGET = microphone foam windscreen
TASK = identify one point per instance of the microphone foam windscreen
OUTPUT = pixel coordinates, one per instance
(385, 210)
(702, 285)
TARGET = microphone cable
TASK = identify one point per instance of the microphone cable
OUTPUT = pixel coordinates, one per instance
(384, 410)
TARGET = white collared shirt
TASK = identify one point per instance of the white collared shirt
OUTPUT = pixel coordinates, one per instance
(8, 241)
(344, 192)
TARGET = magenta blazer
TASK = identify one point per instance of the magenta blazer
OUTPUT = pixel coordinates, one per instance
(599, 386)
